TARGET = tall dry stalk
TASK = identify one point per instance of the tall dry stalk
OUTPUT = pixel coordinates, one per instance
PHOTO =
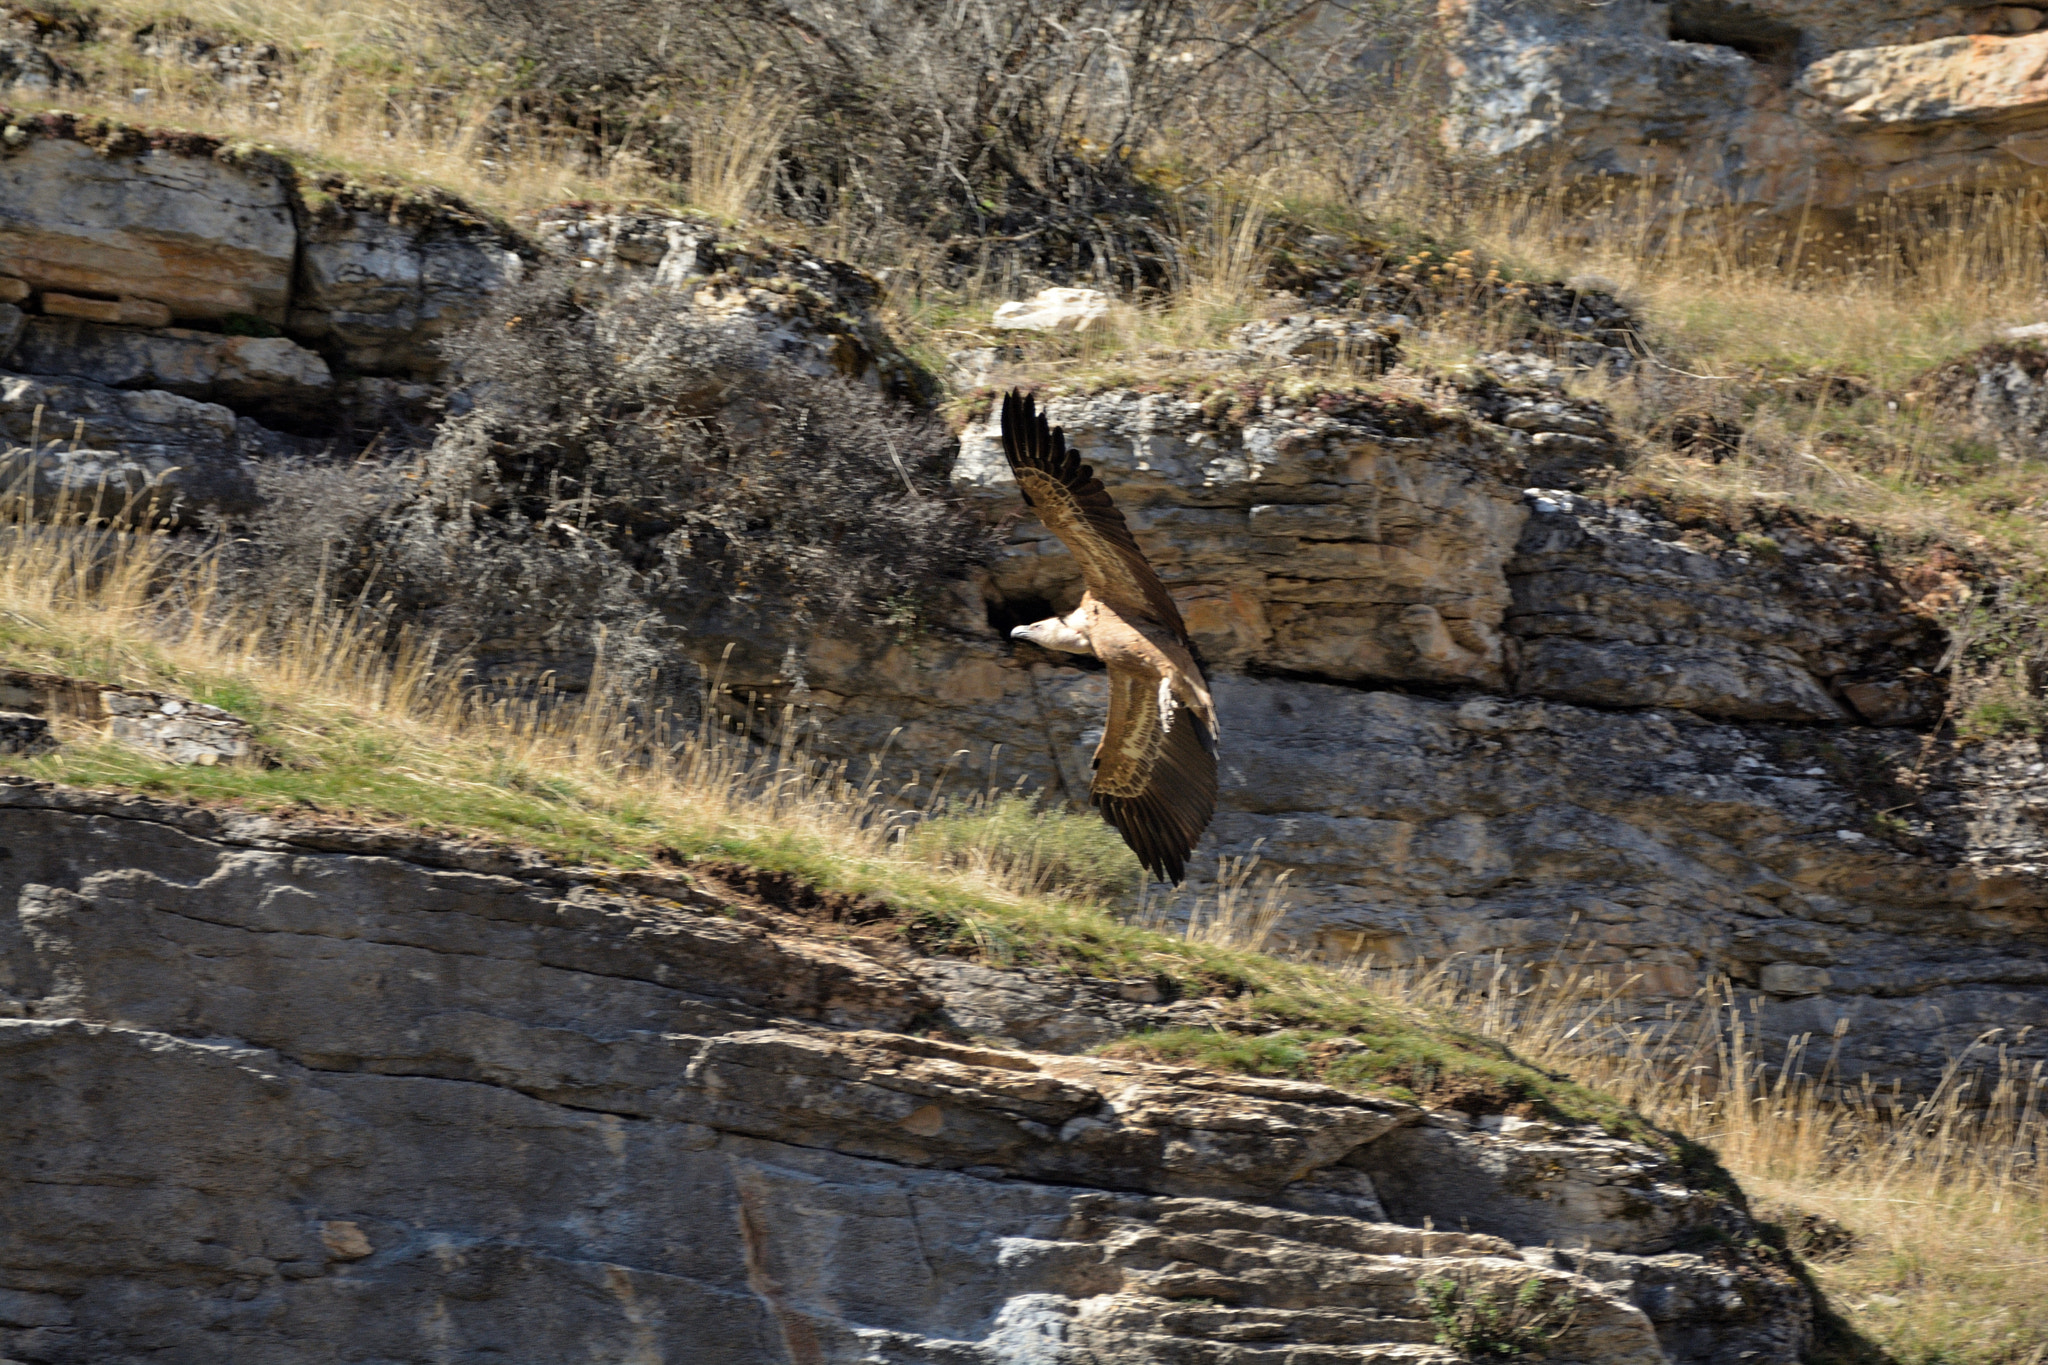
(733, 147)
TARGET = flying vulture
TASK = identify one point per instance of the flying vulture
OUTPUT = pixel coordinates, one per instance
(1155, 769)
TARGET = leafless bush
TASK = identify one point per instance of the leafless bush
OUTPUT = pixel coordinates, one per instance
(626, 471)
(1006, 129)
(312, 537)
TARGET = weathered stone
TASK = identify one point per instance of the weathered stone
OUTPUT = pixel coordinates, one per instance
(2002, 391)
(13, 290)
(812, 312)
(132, 312)
(1619, 607)
(1354, 545)
(1053, 310)
(1656, 848)
(180, 730)
(383, 1098)
(22, 733)
(1946, 80)
(1758, 111)
(13, 323)
(24, 66)
(271, 375)
(1576, 1188)
(142, 455)
(1792, 978)
(378, 290)
(1326, 340)
(203, 238)
(177, 728)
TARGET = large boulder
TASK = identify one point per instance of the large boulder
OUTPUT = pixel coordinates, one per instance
(206, 236)
(1768, 107)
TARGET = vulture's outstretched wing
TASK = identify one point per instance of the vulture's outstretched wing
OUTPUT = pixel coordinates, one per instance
(1076, 507)
(1156, 783)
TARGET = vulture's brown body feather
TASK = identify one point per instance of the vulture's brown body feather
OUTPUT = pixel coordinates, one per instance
(1155, 770)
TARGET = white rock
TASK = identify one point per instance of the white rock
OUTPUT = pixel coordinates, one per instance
(1055, 310)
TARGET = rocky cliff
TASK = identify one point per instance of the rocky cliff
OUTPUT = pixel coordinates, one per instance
(1469, 709)
(382, 1099)
(1780, 107)
(390, 1093)
(1473, 717)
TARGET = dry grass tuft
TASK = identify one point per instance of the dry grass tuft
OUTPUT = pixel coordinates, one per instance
(1923, 1218)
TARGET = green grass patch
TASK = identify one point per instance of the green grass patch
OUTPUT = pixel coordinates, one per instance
(961, 885)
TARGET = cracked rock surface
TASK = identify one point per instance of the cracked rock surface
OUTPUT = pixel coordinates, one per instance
(282, 1093)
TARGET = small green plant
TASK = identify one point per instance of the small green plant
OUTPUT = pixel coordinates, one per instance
(1496, 1320)
(248, 325)
(1046, 846)
(1762, 546)
(232, 695)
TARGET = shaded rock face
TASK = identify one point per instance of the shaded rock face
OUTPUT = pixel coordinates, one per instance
(377, 290)
(136, 455)
(1780, 106)
(1615, 606)
(1470, 717)
(273, 1089)
(272, 376)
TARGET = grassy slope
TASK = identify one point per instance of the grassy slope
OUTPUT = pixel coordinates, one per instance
(361, 742)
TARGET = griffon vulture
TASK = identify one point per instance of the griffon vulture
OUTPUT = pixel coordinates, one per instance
(1155, 769)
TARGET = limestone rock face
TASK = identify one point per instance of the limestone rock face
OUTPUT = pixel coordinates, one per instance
(150, 452)
(202, 237)
(1365, 544)
(379, 290)
(1614, 607)
(1665, 758)
(272, 1088)
(1779, 106)
(273, 375)
(109, 237)
(1472, 717)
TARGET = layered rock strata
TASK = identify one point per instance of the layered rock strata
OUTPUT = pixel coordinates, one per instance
(1800, 112)
(273, 1089)
(1474, 718)
(309, 314)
